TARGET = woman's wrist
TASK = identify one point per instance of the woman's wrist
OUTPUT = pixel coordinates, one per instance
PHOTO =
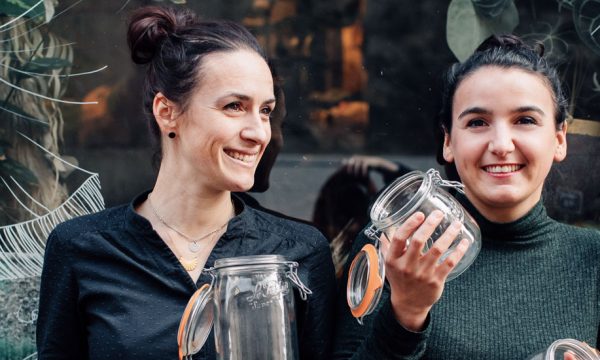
(412, 319)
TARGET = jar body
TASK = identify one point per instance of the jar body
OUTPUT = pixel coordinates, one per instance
(254, 311)
(419, 192)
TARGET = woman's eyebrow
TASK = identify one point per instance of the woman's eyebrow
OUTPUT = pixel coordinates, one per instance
(529, 108)
(474, 110)
(246, 97)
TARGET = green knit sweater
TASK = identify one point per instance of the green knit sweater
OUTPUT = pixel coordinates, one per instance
(534, 281)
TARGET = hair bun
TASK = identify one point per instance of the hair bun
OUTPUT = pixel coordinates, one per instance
(509, 41)
(151, 25)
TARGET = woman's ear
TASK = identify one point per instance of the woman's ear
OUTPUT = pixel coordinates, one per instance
(164, 112)
(447, 150)
(561, 143)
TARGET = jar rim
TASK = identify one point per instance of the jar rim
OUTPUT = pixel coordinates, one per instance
(573, 345)
(250, 260)
(392, 190)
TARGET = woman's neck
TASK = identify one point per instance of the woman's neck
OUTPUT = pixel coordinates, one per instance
(190, 208)
(504, 213)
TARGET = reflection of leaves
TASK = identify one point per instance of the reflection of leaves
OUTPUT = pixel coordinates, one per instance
(490, 8)
(555, 47)
(20, 299)
(175, 1)
(17, 7)
(465, 31)
(586, 17)
(40, 65)
(11, 109)
(567, 4)
(10, 167)
(596, 83)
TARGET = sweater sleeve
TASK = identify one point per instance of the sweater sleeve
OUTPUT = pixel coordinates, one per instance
(60, 332)
(316, 325)
(381, 336)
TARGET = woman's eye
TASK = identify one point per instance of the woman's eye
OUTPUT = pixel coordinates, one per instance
(235, 106)
(475, 123)
(266, 110)
(526, 120)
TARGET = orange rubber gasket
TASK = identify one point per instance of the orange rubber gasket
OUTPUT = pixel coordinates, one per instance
(186, 315)
(374, 281)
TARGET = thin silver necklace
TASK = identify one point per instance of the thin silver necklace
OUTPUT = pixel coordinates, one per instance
(192, 242)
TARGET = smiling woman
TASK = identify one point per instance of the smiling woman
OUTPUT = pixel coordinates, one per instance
(535, 280)
(504, 140)
(115, 284)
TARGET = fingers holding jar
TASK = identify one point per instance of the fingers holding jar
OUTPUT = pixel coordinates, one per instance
(417, 271)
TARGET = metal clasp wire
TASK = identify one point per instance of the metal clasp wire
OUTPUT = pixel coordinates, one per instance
(372, 232)
(210, 271)
(435, 177)
(293, 276)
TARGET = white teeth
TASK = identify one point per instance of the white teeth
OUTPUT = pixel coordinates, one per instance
(496, 169)
(242, 157)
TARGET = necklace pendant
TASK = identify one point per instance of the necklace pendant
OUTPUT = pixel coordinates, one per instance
(193, 247)
(189, 265)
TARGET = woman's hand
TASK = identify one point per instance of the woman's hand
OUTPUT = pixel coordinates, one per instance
(416, 278)
(359, 165)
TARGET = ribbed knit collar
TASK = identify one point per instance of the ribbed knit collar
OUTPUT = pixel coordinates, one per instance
(526, 229)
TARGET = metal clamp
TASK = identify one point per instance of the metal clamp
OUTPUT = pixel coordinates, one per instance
(372, 232)
(435, 177)
(293, 276)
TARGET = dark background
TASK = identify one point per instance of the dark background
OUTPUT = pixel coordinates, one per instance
(359, 77)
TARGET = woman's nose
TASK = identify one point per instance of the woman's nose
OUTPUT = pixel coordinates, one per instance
(257, 129)
(501, 143)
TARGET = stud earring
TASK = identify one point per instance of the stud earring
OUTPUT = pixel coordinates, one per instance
(172, 135)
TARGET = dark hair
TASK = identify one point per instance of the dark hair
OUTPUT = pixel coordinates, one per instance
(505, 51)
(341, 211)
(171, 42)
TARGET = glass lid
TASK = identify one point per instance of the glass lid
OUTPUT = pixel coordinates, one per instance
(365, 281)
(196, 322)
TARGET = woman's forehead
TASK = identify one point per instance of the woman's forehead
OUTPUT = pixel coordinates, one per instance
(493, 86)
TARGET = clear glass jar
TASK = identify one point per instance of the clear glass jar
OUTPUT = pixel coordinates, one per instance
(251, 302)
(415, 191)
(558, 349)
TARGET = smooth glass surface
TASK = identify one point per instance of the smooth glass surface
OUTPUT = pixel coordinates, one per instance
(254, 312)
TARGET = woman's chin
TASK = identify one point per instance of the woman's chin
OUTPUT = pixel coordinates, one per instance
(241, 186)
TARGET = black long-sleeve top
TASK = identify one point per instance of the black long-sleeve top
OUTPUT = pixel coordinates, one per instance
(112, 289)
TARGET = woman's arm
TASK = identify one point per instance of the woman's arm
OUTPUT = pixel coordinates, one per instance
(399, 327)
(60, 331)
(316, 327)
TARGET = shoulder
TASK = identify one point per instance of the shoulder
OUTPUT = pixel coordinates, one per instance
(104, 220)
(578, 232)
(585, 238)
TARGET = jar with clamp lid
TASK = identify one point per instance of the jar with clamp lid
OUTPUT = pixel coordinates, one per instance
(250, 301)
(413, 192)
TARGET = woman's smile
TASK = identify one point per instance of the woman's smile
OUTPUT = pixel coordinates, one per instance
(247, 158)
(502, 170)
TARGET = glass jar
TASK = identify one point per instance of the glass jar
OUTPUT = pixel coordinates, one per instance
(413, 192)
(558, 349)
(251, 302)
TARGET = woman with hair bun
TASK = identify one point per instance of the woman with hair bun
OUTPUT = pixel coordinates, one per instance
(535, 280)
(115, 284)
